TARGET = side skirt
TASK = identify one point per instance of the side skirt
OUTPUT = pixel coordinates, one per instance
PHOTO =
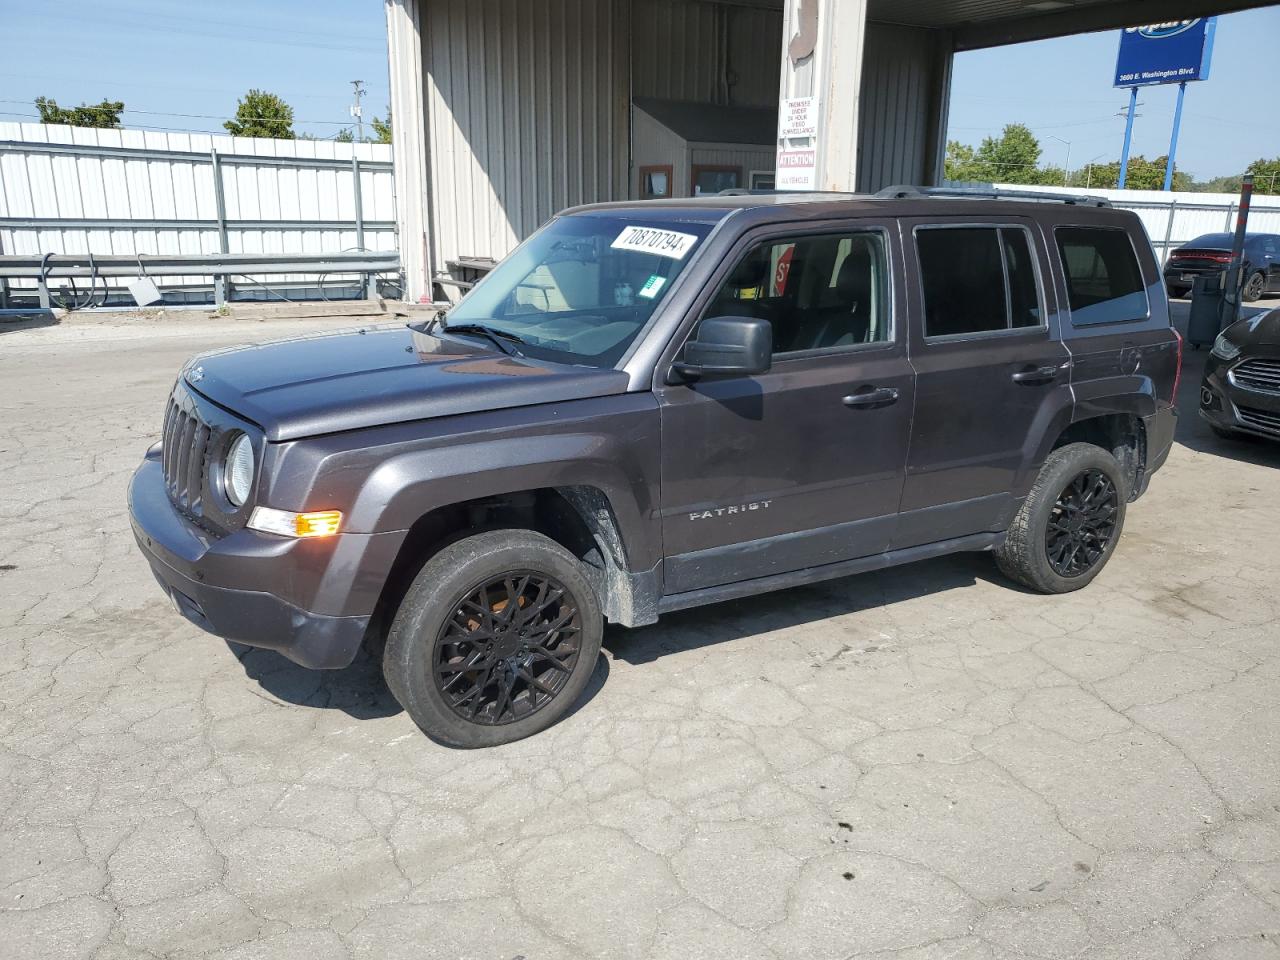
(828, 571)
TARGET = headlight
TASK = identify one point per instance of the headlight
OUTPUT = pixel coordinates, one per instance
(1224, 349)
(237, 471)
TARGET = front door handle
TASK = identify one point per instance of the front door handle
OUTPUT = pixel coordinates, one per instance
(1038, 375)
(879, 397)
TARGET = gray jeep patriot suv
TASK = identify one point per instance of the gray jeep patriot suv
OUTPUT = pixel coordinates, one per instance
(650, 406)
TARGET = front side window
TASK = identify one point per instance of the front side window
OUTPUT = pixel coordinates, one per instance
(1104, 282)
(977, 280)
(581, 289)
(817, 292)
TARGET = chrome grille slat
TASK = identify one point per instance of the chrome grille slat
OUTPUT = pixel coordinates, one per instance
(1261, 419)
(1257, 374)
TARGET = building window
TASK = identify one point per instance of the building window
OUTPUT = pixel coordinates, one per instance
(708, 178)
(977, 280)
(763, 179)
(655, 182)
(1104, 282)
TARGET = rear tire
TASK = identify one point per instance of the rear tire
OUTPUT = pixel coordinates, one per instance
(1254, 287)
(1069, 525)
(509, 618)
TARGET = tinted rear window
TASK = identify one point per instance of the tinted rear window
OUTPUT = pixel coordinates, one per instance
(977, 280)
(1104, 282)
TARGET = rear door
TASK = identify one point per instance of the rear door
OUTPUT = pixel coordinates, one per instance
(802, 465)
(990, 376)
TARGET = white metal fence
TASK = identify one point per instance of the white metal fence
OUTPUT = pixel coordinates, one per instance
(70, 190)
(1175, 217)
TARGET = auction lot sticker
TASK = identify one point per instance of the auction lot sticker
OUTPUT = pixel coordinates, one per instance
(665, 243)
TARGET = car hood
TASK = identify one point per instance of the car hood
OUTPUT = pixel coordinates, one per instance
(1262, 328)
(378, 375)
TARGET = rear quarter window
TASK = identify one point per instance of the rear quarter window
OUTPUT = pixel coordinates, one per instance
(1104, 281)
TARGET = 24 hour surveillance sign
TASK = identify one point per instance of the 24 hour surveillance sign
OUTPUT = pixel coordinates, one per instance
(1172, 52)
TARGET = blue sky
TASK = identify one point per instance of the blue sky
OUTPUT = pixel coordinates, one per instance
(153, 55)
(168, 57)
(1063, 87)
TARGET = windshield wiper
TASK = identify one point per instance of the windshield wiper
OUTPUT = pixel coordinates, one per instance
(502, 339)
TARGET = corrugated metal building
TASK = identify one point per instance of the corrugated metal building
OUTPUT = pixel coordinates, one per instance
(509, 110)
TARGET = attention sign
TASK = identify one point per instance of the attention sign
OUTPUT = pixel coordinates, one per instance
(1171, 52)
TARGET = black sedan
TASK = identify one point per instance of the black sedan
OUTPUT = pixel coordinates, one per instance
(1211, 253)
(1240, 393)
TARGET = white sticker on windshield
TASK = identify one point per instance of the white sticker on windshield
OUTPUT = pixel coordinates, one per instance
(665, 243)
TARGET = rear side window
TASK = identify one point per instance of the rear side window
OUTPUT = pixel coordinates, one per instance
(977, 280)
(1104, 282)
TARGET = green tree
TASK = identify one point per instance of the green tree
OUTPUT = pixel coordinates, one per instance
(104, 114)
(1143, 174)
(1012, 157)
(262, 114)
(1266, 175)
(383, 128)
(344, 136)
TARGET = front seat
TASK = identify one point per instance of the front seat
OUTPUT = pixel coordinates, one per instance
(848, 319)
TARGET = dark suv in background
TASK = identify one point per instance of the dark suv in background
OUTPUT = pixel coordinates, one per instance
(1211, 253)
(651, 406)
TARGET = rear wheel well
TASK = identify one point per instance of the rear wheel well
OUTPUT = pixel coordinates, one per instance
(554, 512)
(1122, 435)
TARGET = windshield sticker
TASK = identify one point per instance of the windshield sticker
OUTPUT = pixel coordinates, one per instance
(665, 243)
(652, 287)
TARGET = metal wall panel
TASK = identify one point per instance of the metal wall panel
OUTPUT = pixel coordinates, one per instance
(901, 107)
(709, 52)
(527, 113)
(123, 187)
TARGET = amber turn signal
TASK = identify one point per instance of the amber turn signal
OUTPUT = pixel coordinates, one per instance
(316, 523)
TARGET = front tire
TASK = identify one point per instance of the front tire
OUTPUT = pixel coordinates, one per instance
(495, 639)
(1069, 525)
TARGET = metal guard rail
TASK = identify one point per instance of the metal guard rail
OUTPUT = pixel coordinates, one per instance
(220, 266)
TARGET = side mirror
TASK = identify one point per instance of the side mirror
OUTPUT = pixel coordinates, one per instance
(728, 346)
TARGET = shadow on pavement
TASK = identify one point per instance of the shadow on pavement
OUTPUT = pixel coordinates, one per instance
(703, 626)
(11, 321)
(358, 690)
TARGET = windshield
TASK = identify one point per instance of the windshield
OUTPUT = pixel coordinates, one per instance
(580, 289)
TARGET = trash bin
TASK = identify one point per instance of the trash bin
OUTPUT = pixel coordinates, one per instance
(1206, 310)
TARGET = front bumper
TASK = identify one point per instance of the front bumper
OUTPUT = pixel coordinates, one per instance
(310, 600)
(1230, 407)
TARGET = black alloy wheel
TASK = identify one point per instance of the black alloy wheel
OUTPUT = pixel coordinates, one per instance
(1082, 523)
(1254, 287)
(508, 649)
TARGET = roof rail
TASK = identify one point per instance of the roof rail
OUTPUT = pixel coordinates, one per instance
(902, 191)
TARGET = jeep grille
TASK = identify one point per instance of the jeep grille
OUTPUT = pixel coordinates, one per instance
(184, 453)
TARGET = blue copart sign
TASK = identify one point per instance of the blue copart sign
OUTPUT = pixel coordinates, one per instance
(1172, 52)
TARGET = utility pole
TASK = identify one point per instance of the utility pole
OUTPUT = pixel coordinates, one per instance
(1066, 168)
(356, 111)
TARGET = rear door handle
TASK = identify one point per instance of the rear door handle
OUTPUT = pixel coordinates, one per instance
(1038, 375)
(879, 397)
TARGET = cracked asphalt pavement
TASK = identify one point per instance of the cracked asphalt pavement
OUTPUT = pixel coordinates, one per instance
(918, 764)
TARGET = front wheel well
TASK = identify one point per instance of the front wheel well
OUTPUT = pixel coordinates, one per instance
(1123, 435)
(577, 518)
